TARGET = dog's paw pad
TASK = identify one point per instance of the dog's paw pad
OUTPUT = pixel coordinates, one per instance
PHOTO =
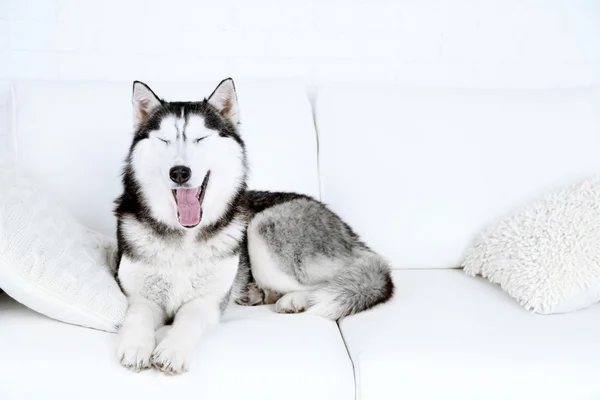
(254, 296)
(243, 301)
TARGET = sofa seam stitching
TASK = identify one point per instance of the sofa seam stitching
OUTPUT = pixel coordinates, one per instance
(354, 368)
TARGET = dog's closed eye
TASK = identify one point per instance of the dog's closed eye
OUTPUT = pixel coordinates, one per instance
(202, 138)
(164, 141)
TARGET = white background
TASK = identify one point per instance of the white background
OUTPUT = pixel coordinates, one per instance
(482, 43)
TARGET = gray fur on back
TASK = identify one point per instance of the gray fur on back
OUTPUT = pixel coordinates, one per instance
(303, 230)
(314, 246)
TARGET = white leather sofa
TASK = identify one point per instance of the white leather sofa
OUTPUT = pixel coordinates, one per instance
(416, 171)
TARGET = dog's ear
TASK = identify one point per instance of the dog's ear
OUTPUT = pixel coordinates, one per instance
(144, 102)
(224, 99)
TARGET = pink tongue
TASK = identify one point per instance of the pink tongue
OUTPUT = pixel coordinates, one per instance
(188, 206)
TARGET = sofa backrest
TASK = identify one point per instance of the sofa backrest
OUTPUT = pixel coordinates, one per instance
(73, 137)
(418, 172)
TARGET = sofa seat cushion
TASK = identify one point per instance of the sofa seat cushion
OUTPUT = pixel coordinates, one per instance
(449, 336)
(253, 354)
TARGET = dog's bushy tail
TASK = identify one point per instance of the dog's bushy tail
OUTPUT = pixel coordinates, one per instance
(364, 283)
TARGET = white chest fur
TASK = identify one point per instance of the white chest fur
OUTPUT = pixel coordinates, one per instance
(173, 271)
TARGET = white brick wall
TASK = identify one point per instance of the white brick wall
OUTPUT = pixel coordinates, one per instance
(482, 43)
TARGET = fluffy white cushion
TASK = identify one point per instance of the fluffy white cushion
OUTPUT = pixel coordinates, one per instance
(50, 262)
(546, 255)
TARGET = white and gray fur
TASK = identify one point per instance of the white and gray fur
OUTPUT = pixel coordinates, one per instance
(250, 247)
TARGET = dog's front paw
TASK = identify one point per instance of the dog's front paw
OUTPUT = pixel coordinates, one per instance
(170, 357)
(134, 351)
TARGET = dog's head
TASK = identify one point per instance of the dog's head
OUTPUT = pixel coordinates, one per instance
(187, 157)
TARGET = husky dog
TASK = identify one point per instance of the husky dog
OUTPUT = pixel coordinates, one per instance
(192, 238)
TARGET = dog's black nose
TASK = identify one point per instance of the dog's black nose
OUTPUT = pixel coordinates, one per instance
(180, 174)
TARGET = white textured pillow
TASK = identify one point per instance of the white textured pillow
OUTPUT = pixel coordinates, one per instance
(546, 255)
(50, 262)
